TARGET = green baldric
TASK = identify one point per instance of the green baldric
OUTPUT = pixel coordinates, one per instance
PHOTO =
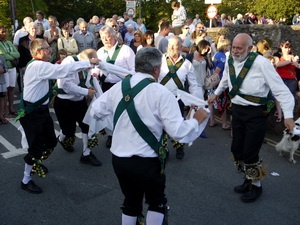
(30, 108)
(172, 73)
(111, 60)
(127, 103)
(82, 75)
(237, 82)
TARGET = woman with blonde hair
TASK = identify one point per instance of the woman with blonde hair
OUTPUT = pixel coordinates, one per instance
(136, 42)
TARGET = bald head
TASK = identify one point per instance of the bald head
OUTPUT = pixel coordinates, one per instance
(241, 47)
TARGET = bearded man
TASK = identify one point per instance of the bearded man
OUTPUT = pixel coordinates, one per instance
(250, 78)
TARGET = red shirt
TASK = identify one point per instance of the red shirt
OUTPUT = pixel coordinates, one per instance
(286, 72)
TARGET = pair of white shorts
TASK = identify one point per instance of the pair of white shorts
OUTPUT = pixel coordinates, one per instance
(11, 77)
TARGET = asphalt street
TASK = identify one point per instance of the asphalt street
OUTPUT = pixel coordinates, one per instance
(199, 188)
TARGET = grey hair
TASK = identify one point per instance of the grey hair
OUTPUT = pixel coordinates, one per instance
(146, 59)
(107, 29)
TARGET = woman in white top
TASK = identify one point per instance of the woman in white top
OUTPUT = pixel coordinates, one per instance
(66, 42)
(51, 37)
(178, 16)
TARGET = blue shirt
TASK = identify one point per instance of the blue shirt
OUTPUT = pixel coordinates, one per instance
(219, 60)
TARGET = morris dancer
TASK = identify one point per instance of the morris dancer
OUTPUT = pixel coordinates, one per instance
(70, 106)
(175, 71)
(34, 113)
(141, 109)
(117, 54)
(250, 78)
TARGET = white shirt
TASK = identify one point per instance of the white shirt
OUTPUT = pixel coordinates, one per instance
(157, 108)
(70, 84)
(125, 60)
(45, 23)
(19, 33)
(38, 74)
(185, 72)
(261, 76)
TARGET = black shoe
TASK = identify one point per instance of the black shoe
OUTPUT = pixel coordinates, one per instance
(253, 194)
(179, 153)
(90, 159)
(108, 141)
(68, 149)
(31, 187)
(242, 189)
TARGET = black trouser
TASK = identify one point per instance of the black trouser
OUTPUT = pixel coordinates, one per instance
(139, 177)
(39, 130)
(249, 126)
(68, 113)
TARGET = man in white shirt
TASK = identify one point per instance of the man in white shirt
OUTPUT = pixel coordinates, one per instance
(70, 107)
(250, 78)
(175, 72)
(116, 54)
(34, 114)
(21, 32)
(136, 163)
(40, 18)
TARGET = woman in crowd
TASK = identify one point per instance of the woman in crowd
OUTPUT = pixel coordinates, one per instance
(129, 35)
(66, 42)
(178, 16)
(40, 30)
(51, 37)
(148, 38)
(136, 43)
(286, 67)
(140, 25)
(219, 59)
(11, 56)
(193, 40)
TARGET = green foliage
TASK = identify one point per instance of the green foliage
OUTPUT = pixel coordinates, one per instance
(152, 10)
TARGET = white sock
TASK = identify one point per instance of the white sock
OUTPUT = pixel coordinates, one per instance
(85, 151)
(61, 136)
(256, 183)
(128, 220)
(27, 171)
(154, 218)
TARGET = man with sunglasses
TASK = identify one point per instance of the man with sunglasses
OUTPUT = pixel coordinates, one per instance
(34, 112)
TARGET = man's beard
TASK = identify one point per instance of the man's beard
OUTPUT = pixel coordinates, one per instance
(241, 57)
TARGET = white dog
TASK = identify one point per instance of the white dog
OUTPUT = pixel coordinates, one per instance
(289, 142)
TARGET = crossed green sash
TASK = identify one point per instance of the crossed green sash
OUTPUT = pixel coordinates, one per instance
(111, 60)
(127, 103)
(237, 82)
(30, 108)
(172, 73)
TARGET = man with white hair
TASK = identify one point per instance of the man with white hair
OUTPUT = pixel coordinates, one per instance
(118, 54)
(175, 72)
(21, 32)
(250, 79)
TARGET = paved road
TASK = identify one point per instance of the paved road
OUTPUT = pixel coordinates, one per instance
(199, 188)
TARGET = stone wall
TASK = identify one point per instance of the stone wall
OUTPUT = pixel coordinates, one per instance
(274, 33)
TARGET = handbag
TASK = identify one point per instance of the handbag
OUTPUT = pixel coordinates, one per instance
(211, 80)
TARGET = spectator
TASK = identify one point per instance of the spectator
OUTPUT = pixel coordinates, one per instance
(41, 19)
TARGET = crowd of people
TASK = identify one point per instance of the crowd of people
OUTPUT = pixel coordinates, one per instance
(127, 60)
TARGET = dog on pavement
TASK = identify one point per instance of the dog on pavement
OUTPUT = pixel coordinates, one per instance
(289, 142)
